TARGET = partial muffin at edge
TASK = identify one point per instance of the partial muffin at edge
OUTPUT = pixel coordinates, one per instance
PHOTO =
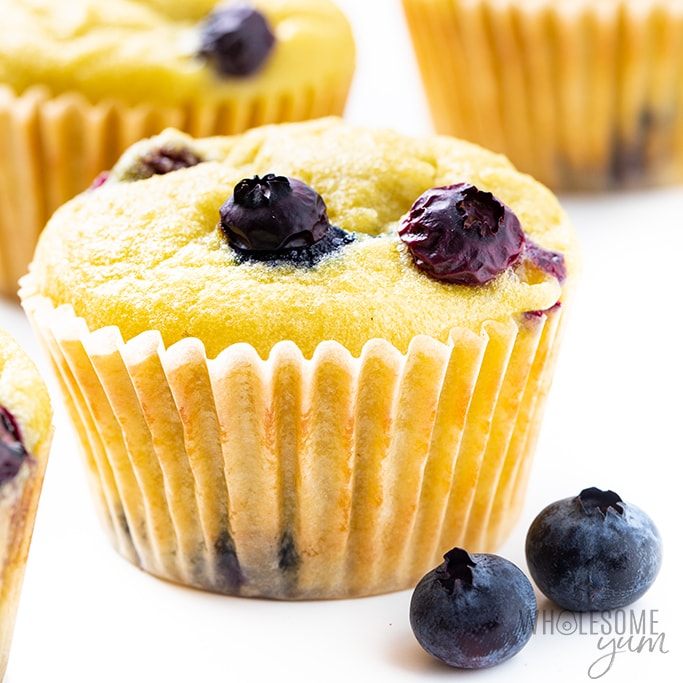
(25, 437)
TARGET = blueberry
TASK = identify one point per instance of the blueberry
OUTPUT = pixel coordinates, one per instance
(150, 160)
(461, 234)
(473, 611)
(165, 159)
(236, 39)
(12, 451)
(275, 218)
(593, 551)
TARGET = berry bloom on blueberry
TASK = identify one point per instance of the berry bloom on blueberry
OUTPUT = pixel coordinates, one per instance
(473, 612)
(593, 551)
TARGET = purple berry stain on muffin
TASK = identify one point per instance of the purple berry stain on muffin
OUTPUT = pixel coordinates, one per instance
(551, 262)
(100, 179)
(636, 157)
(13, 454)
(279, 219)
(228, 572)
(236, 39)
(535, 315)
(462, 235)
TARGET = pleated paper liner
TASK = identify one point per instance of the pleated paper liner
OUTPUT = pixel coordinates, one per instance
(18, 507)
(288, 477)
(55, 147)
(580, 98)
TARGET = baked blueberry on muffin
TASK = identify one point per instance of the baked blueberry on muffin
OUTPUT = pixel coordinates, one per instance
(25, 436)
(582, 95)
(81, 81)
(315, 341)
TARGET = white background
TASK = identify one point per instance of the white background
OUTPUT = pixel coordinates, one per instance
(613, 421)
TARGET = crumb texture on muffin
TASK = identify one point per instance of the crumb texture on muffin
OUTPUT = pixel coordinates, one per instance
(148, 254)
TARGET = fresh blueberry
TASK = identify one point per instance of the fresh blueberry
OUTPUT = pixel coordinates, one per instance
(473, 612)
(593, 551)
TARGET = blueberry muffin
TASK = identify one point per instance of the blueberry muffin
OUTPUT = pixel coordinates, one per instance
(25, 436)
(582, 95)
(287, 349)
(81, 81)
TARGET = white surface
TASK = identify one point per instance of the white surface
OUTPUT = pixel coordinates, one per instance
(613, 421)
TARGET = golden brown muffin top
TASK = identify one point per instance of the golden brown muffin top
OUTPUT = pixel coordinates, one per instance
(147, 50)
(149, 253)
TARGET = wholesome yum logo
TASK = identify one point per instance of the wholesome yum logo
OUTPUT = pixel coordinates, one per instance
(617, 631)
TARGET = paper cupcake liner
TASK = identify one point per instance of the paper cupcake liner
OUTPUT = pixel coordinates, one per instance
(54, 147)
(580, 98)
(18, 507)
(327, 477)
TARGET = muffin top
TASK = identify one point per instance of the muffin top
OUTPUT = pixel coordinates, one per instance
(155, 246)
(25, 409)
(170, 51)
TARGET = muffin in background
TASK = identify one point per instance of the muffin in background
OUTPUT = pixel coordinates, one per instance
(25, 438)
(279, 389)
(584, 96)
(80, 81)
